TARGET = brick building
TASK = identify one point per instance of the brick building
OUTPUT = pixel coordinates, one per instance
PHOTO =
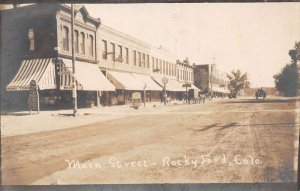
(110, 65)
(208, 78)
(37, 45)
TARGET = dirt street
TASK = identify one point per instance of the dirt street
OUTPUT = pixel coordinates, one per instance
(226, 141)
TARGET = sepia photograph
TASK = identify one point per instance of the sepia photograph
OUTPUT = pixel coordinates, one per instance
(150, 93)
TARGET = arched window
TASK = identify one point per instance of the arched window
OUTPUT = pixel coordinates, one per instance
(76, 42)
(91, 45)
(31, 38)
(82, 43)
(65, 38)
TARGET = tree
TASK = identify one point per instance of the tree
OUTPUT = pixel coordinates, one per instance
(287, 81)
(237, 81)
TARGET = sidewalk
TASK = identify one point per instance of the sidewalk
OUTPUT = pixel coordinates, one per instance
(18, 123)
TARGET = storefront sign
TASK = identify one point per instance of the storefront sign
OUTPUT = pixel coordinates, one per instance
(164, 80)
(186, 85)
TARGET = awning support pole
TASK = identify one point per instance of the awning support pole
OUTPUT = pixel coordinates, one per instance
(145, 95)
(164, 96)
(38, 101)
(98, 98)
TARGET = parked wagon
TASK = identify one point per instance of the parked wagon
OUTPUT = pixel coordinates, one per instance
(136, 100)
(195, 96)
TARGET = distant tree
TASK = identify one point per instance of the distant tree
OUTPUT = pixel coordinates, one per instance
(237, 81)
(287, 81)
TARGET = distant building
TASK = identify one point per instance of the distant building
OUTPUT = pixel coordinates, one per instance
(201, 77)
(208, 78)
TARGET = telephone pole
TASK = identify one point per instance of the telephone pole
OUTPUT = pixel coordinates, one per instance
(74, 90)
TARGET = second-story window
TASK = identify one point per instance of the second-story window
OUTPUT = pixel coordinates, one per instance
(140, 59)
(127, 55)
(152, 63)
(144, 60)
(160, 68)
(181, 71)
(113, 51)
(65, 38)
(148, 61)
(76, 42)
(134, 57)
(120, 53)
(174, 70)
(104, 49)
(82, 43)
(91, 45)
(166, 71)
(31, 39)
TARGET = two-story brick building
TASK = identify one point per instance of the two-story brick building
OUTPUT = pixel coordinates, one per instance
(37, 46)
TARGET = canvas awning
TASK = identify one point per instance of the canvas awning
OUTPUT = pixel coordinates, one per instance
(193, 87)
(125, 81)
(88, 77)
(219, 89)
(172, 85)
(148, 81)
(40, 70)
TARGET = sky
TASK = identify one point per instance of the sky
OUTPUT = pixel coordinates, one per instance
(252, 37)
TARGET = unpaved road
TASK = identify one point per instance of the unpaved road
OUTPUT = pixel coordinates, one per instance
(228, 141)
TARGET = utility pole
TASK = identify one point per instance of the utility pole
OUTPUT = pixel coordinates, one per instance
(165, 81)
(145, 94)
(212, 67)
(74, 90)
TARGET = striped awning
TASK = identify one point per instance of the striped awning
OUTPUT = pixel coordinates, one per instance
(87, 76)
(40, 70)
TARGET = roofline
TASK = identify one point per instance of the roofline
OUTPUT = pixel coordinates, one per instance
(97, 21)
(134, 39)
